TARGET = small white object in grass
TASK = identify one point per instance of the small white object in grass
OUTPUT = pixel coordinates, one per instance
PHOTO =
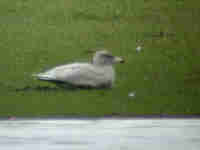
(138, 48)
(131, 94)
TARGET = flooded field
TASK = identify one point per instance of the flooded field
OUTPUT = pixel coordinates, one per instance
(100, 134)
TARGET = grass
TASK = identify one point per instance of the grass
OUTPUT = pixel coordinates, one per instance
(165, 75)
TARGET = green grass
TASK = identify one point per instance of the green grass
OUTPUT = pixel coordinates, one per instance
(40, 34)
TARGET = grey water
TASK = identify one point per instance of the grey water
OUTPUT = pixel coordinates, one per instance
(100, 134)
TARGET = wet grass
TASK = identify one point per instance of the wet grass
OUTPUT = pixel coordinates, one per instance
(164, 75)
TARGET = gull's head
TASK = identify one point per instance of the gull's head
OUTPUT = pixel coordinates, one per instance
(103, 57)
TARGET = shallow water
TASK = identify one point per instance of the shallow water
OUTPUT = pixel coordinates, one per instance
(100, 134)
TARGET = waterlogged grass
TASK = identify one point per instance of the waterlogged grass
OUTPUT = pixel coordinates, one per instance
(164, 75)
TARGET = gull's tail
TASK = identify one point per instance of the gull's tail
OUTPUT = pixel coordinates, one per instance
(44, 76)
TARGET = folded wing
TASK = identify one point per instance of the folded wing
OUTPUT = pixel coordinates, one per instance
(80, 74)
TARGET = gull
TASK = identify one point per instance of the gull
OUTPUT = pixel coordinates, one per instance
(99, 73)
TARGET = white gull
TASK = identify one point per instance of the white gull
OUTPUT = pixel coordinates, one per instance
(99, 73)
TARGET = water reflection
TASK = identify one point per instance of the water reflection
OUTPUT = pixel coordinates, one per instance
(106, 134)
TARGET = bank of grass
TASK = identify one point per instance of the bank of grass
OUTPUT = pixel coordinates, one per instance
(164, 75)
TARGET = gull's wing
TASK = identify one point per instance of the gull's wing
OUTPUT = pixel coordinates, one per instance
(77, 74)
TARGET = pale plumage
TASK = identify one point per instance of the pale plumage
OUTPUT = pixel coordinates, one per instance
(99, 73)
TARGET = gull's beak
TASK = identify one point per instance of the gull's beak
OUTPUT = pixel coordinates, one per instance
(119, 60)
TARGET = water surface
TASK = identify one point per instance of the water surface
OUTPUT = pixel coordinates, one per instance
(100, 134)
